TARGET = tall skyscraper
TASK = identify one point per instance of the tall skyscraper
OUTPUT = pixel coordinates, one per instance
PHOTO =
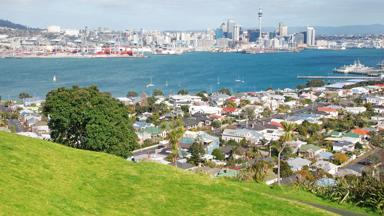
(260, 14)
(236, 33)
(310, 36)
(230, 26)
(283, 30)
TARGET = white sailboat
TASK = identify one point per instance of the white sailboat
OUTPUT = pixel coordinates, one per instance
(54, 78)
(150, 84)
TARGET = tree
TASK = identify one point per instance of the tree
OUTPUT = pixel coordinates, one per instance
(86, 118)
(197, 151)
(230, 104)
(185, 108)
(260, 170)
(244, 102)
(377, 139)
(132, 94)
(225, 91)
(315, 83)
(216, 124)
(24, 95)
(218, 154)
(174, 137)
(249, 113)
(286, 137)
(285, 169)
(266, 113)
(203, 95)
(182, 92)
(340, 158)
(157, 92)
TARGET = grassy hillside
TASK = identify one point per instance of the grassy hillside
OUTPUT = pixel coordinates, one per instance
(40, 178)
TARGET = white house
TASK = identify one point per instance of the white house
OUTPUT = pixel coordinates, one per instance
(343, 147)
(355, 110)
(298, 163)
(326, 166)
(184, 99)
(240, 134)
(376, 100)
(208, 110)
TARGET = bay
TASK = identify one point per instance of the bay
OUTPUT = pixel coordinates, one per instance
(192, 71)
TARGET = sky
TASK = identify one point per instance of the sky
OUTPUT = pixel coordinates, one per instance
(189, 14)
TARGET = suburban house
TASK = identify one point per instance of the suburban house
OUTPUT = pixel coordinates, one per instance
(326, 166)
(208, 110)
(331, 111)
(151, 132)
(310, 151)
(298, 163)
(179, 100)
(375, 100)
(343, 146)
(210, 142)
(240, 134)
(296, 145)
(355, 110)
(219, 99)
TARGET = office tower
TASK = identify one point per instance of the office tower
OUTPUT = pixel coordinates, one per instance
(236, 33)
(230, 26)
(253, 35)
(310, 36)
(283, 30)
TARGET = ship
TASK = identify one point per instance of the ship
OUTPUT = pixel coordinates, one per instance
(356, 68)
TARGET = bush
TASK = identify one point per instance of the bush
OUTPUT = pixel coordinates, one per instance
(218, 154)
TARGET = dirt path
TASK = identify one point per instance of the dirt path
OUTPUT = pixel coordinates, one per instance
(332, 209)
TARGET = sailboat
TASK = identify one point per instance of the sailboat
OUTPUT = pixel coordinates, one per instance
(54, 78)
(166, 83)
(150, 84)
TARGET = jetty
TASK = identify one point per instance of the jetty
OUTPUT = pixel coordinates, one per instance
(338, 77)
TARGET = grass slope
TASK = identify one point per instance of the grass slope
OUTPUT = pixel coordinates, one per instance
(40, 178)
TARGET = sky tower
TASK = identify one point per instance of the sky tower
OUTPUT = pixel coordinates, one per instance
(260, 14)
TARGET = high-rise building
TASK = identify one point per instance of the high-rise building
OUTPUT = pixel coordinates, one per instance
(253, 35)
(310, 37)
(236, 33)
(230, 26)
(283, 30)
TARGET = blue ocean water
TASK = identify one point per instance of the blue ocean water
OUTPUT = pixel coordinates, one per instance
(192, 71)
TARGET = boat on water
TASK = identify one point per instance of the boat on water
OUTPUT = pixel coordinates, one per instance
(356, 68)
(167, 52)
(150, 84)
(54, 78)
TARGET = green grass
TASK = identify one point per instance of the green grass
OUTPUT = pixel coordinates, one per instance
(40, 178)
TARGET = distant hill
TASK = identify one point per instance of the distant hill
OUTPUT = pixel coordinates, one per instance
(338, 30)
(40, 178)
(346, 30)
(9, 24)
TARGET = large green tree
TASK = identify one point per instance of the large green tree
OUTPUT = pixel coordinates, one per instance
(86, 118)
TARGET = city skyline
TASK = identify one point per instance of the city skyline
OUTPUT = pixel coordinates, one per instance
(188, 15)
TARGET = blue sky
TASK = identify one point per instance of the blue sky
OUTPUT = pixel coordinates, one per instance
(189, 14)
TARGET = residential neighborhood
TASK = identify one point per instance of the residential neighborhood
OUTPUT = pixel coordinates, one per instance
(223, 134)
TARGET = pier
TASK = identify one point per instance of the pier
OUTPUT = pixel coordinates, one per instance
(338, 77)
